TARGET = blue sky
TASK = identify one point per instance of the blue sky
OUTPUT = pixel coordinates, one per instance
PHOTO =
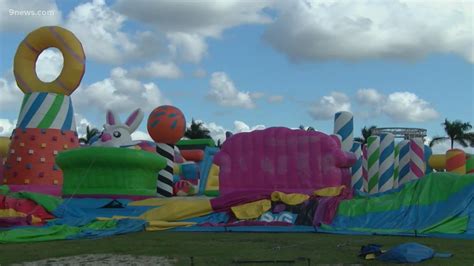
(244, 65)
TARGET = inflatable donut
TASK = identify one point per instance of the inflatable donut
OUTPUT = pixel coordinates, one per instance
(31, 47)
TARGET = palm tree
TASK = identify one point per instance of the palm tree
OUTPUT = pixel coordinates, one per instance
(366, 133)
(456, 131)
(197, 131)
(90, 133)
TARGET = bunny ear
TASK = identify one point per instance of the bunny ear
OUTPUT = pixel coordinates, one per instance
(134, 120)
(111, 118)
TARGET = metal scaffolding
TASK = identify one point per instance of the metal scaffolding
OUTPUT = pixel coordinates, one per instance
(401, 132)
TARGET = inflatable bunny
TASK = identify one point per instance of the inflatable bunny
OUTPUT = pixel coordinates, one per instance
(117, 134)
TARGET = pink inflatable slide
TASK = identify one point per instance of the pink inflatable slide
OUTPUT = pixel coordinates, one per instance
(281, 159)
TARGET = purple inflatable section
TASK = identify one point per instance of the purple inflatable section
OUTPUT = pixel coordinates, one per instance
(282, 159)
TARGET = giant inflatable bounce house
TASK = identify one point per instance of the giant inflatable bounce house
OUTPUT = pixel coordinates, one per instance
(281, 159)
(276, 179)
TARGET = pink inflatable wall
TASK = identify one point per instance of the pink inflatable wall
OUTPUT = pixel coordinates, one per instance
(282, 159)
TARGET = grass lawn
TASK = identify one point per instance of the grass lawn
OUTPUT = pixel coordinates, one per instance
(236, 248)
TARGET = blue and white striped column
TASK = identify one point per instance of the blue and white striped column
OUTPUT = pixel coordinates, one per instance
(386, 163)
(356, 170)
(404, 172)
(344, 127)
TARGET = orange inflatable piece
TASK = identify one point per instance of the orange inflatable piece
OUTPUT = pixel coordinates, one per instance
(166, 124)
(193, 155)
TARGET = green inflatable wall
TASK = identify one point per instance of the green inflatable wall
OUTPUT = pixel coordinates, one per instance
(102, 171)
(191, 144)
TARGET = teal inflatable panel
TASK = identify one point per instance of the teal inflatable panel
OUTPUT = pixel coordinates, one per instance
(206, 164)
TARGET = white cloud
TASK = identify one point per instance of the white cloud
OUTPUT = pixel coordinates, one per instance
(328, 105)
(224, 92)
(240, 126)
(100, 30)
(49, 65)
(11, 95)
(369, 97)
(407, 106)
(82, 123)
(187, 24)
(398, 106)
(200, 73)
(140, 135)
(187, 47)
(314, 30)
(218, 132)
(275, 99)
(120, 93)
(24, 16)
(6, 127)
(157, 69)
(205, 18)
(257, 95)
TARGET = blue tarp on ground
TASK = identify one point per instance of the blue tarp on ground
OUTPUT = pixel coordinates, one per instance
(79, 212)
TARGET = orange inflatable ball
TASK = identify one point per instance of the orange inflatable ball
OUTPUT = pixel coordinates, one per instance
(166, 124)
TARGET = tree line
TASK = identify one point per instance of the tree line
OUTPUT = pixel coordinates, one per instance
(456, 131)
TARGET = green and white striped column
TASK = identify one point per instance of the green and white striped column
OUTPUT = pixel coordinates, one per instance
(396, 164)
(373, 156)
